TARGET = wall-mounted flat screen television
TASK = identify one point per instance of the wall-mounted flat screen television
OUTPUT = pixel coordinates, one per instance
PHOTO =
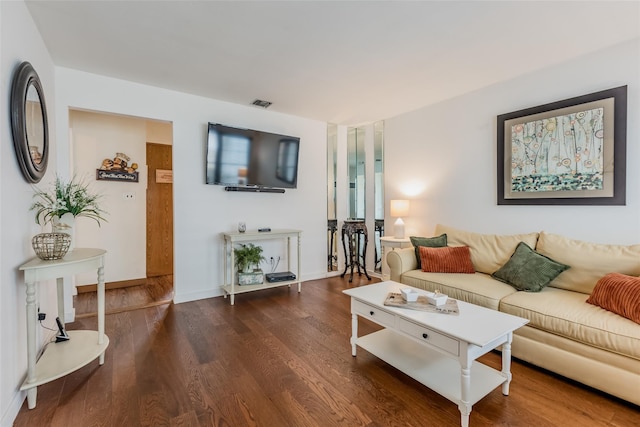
(251, 158)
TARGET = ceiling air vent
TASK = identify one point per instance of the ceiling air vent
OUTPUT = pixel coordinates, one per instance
(261, 103)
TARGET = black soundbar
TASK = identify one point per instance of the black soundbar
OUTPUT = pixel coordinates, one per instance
(255, 189)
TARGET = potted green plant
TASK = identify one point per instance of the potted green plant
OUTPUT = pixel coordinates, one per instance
(71, 197)
(247, 259)
(61, 204)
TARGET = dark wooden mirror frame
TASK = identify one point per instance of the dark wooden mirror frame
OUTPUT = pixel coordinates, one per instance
(24, 78)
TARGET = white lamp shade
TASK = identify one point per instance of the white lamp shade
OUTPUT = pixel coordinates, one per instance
(399, 208)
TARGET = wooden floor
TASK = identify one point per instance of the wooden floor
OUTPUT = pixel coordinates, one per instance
(156, 291)
(279, 358)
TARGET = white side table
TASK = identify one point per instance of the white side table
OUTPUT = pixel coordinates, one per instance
(60, 359)
(393, 243)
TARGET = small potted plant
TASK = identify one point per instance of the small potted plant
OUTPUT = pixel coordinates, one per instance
(72, 198)
(247, 259)
(60, 205)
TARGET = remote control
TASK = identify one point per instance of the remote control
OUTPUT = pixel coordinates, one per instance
(264, 229)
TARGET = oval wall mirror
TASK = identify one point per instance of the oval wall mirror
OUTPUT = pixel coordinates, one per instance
(29, 123)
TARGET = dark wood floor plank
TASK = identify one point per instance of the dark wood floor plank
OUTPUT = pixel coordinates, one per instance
(211, 312)
(252, 407)
(218, 386)
(72, 400)
(122, 344)
(47, 408)
(280, 358)
(99, 393)
(197, 381)
(165, 378)
(331, 400)
(188, 419)
(154, 291)
(194, 326)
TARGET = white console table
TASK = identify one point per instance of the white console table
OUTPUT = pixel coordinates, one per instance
(230, 286)
(60, 359)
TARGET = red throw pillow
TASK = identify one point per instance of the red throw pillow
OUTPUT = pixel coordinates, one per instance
(619, 294)
(449, 259)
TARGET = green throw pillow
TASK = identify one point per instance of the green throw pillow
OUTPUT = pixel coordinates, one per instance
(528, 270)
(429, 242)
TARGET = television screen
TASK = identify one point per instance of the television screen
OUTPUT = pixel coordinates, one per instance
(246, 157)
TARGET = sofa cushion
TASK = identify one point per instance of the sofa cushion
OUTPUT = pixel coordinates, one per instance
(589, 261)
(527, 270)
(455, 259)
(619, 294)
(489, 252)
(568, 315)
(479, 288)
(429, 242)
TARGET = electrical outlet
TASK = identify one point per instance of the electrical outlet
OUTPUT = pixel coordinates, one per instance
(129, 196)
(42, 316)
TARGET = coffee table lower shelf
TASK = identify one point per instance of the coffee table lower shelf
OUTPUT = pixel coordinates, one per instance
(436, 371)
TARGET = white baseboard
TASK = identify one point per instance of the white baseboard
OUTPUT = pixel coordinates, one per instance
(178, 298)
(14, 407)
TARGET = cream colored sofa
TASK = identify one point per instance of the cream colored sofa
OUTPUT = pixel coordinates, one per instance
(565, 334)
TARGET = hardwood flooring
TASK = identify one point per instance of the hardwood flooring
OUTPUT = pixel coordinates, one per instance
(279, 358)
(153, 291)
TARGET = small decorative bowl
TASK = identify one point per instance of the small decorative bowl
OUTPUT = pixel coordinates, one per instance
(50, 246)
(409, 295)
(436, 298)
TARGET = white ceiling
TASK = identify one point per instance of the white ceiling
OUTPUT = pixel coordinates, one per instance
(346, 62)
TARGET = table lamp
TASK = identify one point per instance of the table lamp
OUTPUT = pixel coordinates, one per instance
(399, 208)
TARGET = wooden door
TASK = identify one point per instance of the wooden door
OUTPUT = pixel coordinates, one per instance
(159, 211)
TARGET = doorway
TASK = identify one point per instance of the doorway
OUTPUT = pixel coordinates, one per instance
(131, 257)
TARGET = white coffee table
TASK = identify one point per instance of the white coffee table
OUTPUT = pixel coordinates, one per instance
(438, 350)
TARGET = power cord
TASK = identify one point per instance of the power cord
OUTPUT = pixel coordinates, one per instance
(41, 317)
(45, 327)
(53, 339)
(277, 261)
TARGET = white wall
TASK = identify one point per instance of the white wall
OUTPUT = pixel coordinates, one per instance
(202, 212)
(447, 149)
(19, 41)
(443, 157)
(159, 132)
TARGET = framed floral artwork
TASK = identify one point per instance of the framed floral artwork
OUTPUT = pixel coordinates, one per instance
(569, 152)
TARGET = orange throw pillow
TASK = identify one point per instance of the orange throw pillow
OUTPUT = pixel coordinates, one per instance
(619, 294)
(449, 259)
